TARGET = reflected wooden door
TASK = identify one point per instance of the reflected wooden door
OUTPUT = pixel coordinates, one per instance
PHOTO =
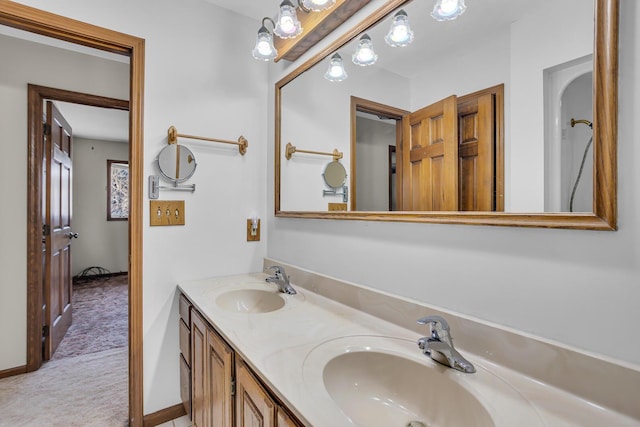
(430, 177)
(57, 231)
(476, 166)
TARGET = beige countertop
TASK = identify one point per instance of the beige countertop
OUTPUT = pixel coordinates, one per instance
(289, 348)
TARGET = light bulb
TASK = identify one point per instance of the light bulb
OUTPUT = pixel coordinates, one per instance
(264, 49)
(400, 33)
(446, 10)
(336, 71)
(288, 25)
(364, 54)
(318, 5)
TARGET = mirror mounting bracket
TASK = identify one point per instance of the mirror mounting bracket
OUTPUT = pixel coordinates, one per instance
(334, 192)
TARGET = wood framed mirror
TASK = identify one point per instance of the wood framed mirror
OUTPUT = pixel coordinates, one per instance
(303, 120)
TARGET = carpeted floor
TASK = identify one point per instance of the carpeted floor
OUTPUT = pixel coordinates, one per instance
(100, 319)
(81, 391)
(86, 381)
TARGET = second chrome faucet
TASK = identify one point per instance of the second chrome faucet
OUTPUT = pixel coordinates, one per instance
(281, 279)
(440, 342)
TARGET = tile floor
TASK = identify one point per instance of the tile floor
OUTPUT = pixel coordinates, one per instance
(178, 422)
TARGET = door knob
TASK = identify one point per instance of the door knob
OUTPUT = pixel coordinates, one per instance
(72, 235)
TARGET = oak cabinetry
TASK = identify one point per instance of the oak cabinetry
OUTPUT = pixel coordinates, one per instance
(284, 420)
(212, 376)
(221, 382)
(185, 353)
(254, 407)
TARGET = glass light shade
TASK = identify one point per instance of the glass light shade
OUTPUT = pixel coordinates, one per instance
(264, 49)
(336, 71)
(447, 10)
(318, 5)
(364, 54)
(287, 26)
(400, 33)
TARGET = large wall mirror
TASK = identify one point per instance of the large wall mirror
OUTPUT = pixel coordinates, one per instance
(506, 115)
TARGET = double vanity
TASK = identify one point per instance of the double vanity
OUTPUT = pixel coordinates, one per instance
(315, 351)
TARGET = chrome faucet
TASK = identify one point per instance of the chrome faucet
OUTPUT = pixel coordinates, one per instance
(281, 279)
(441, 342)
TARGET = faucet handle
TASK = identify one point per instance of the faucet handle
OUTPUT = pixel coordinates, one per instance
(276, 269)
(434, 321)
(439, 327)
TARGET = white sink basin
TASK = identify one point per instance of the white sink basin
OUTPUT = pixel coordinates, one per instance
(250, 301)
(382, 389)
(388, 382)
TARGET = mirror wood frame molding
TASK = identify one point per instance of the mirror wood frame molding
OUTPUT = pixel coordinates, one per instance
(59, 27)
(605, 134)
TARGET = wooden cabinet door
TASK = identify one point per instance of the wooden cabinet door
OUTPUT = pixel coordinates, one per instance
(254, 407)
(220, 365)
(430, 157)
(284, 420)
(199, 359)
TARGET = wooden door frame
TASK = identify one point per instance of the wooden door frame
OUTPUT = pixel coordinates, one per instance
(372, 107)
(63, 28)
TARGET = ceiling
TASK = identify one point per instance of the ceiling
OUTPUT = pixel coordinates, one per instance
(96, 123)
(256, 9)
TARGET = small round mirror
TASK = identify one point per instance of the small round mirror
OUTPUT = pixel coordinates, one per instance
(176, 163)
(335, 174)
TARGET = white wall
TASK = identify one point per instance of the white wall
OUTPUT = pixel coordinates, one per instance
(198, 81)
(563, 39)
(101, 243)
(372, 145)
(22, 63)
(576, 287)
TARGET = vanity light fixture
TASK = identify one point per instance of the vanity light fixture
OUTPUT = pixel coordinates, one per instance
(264, 49)
(400, 34)
(317, 5)
(364, 54)
(336, 71)
(288, 26)
(447, 10)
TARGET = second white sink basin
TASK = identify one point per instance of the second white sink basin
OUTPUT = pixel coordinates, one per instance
(374, 388)
(388, 382)
(250, 301)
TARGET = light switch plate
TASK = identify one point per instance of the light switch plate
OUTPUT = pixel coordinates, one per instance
(166, 212)
(337, 206)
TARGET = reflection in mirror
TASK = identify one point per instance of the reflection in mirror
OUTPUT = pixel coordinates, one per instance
(515, 44)
(176, 163)
(334, 174)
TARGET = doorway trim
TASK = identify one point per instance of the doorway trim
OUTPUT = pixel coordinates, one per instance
(378, 109)
(59, 27)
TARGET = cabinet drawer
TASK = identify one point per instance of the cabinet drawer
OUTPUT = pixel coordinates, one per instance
(185, 342)
(184, 307)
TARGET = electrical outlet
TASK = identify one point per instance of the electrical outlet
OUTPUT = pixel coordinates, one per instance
(253, 234)
(166, 212)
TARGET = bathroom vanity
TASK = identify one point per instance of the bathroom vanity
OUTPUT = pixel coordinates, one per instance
(340, 354)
